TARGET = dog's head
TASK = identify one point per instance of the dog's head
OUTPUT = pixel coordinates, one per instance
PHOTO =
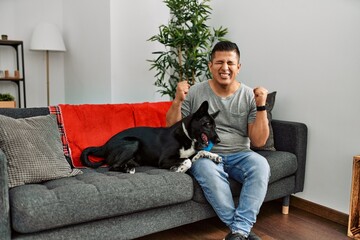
(202, 127)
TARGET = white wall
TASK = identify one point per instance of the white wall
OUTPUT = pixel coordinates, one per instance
(132, 23)
(87, 61)
(107, 50)
(308, 51)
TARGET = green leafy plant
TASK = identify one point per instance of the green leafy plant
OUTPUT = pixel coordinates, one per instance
(6, 97)
(187, 41)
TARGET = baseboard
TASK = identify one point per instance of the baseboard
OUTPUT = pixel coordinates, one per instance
(319, 210)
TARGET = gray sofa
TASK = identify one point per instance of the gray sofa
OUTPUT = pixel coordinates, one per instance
(99, 204)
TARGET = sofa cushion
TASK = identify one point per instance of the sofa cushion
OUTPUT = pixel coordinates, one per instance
(282, 165)
(96, 194)
(33, 150)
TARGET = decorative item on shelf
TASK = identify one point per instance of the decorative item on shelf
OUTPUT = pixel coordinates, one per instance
(16, 74)
(7, 75)
(47, 37)
(4, 37)
(7, 100)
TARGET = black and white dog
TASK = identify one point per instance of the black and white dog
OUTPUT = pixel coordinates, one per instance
(170, 147)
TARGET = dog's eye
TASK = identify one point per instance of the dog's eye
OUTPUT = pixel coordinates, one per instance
(207, 124)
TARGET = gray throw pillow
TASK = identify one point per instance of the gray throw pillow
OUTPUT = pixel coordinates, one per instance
(33, 150)
(269, 145)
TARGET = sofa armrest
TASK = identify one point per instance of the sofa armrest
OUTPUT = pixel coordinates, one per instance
(5, 231)
(292, 137)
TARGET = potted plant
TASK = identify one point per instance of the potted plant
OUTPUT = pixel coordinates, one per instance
(187, 41)
(7, 100)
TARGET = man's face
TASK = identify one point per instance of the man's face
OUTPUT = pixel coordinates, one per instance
(224, 67)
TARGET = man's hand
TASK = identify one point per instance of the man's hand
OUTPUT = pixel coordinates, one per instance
(181, 90)
(174, 113)
(260, 95)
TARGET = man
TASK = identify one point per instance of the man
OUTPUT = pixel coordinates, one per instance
(242, 119)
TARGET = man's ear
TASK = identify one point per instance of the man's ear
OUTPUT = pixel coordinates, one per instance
(239, 67)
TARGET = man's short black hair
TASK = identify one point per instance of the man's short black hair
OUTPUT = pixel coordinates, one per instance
(225, 46)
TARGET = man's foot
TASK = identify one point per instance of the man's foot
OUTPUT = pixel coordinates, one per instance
(238, 236)
(234, 236)
(253, 236)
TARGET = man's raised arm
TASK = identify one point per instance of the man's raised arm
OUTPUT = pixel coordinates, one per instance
(174, 113)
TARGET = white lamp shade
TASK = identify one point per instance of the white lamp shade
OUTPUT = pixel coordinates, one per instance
(47, 36)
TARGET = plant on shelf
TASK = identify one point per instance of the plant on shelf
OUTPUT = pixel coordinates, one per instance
(6, 97)
(187, 41)
(7, 100)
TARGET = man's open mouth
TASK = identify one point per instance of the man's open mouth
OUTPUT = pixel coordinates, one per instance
(224, 75)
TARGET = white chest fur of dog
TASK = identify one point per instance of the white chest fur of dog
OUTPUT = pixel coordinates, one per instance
(186, 164)
(186, 153)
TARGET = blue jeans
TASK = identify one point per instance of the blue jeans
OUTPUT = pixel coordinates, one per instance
(248, 168)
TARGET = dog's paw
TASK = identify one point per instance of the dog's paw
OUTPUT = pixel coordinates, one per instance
(174, 168)
(200, 154)
(215, 157)
(187, 164)
(183, 167)
(205, 154)
(130, 170)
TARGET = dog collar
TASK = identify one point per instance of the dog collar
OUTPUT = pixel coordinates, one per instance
(185, 131)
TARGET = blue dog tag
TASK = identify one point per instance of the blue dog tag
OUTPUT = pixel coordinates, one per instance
(209, 147)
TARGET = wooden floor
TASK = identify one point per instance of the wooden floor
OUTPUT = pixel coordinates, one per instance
(271, 224)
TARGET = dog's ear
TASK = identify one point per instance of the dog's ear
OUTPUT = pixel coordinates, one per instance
(203, 109)
(204, 106)
(215, 114)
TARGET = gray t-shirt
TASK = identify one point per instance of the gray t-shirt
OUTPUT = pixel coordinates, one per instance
(236, 112)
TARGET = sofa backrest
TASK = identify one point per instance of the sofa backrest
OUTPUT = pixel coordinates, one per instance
(88, 125)
(24, 112)
(93, 124)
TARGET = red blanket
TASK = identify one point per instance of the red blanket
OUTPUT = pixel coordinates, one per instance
(93, 124)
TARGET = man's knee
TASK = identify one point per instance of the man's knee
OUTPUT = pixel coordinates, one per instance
(261, 167)
(210, 175)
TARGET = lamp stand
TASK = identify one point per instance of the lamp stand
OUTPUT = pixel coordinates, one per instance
(47, 78)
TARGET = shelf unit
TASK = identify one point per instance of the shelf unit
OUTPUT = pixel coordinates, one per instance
(19, 81)
(354, 212)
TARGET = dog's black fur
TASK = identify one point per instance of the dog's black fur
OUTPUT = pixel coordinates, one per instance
(160, 147)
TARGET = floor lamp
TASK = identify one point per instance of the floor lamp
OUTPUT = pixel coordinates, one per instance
(47, 37)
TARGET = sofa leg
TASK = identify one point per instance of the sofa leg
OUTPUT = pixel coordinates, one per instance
(285, 205)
